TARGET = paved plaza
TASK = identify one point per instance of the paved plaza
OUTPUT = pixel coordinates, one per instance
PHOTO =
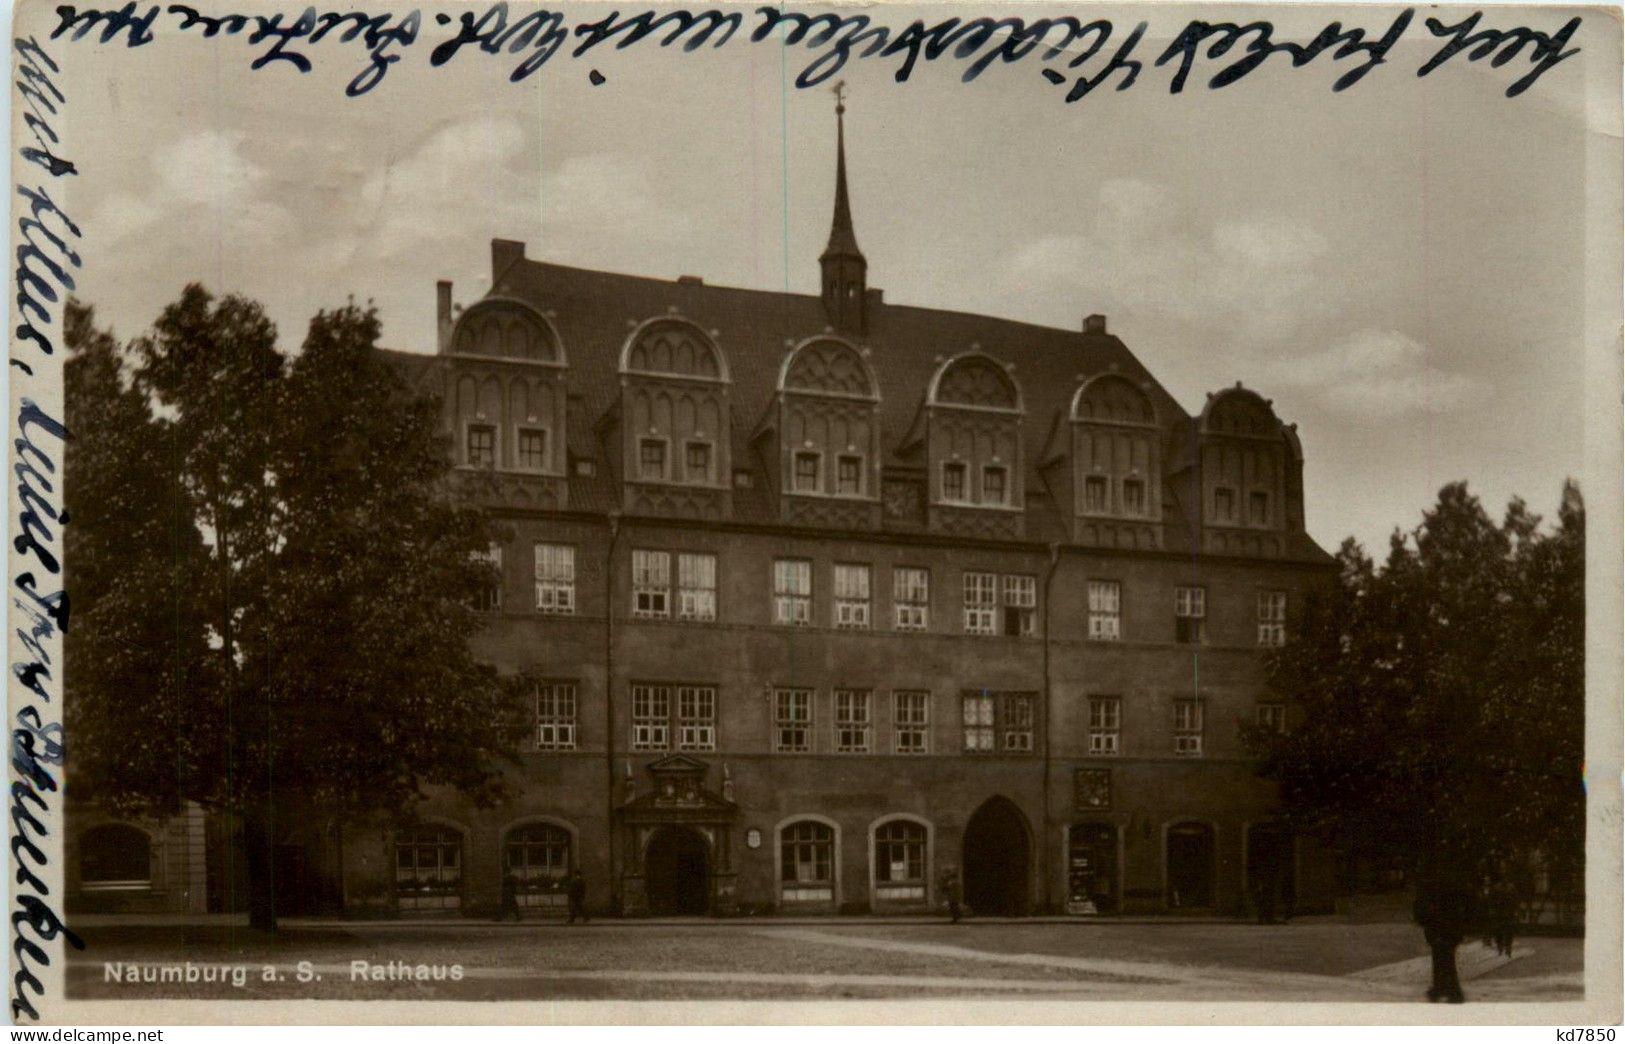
(1314, 959)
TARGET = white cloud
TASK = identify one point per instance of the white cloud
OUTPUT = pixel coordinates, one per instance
(601, 203)
(1377, 374)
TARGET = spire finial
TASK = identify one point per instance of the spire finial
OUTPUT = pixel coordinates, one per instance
(839, 90)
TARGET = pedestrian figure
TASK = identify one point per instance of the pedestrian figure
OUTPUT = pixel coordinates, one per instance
(510, 898)
(578, 897)
(1501, 914)
(1444, 909)
(950, 888)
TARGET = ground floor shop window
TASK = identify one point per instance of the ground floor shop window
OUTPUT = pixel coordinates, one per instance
(538, 857)
(900, 862)
(807, 863)
(1092, 868)
(115, 857)
(429, 869)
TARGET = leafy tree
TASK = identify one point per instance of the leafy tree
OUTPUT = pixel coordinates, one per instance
(318, 655)
(1442, 696)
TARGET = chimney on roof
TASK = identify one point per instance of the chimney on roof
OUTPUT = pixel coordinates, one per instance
(504, 252)
(442, 313)
(1094, 324)
(690, 280)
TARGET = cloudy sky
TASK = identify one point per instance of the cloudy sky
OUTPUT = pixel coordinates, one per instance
(1399, 266)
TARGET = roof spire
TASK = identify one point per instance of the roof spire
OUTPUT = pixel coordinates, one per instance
(845, 272)
(842, 240)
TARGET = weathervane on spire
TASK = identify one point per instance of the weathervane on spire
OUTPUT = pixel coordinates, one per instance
(839, 90)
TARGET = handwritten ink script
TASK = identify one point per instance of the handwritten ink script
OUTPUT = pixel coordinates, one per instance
(43, 276)
(1066, 50)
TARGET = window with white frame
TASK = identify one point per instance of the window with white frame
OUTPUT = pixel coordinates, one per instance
(852, 725)
(953, 482)
(697, 463)
(1094, 494)
(1188, 728)
(1272, 618)
(852, 596)
(652, 460)
(481, 445)
(1020, 604)
(900, 861)
(651, 717)
(792, 592)
(696, 587)
(911, 598)
(981, 603)
(1016, 722)
(995, 483)
(537, 855)
(531, 447)
(489, 597)
(555, 715)
(978, 718)
(1272, 716)
(807, 862)
(696, 717)
(792, 721)
(651, 584)
(806, 473)
(1190, 615)
(555, 578)
(911, 721)
(849, 475)
(1105, 725)
(1133, 497)
(1105, 611)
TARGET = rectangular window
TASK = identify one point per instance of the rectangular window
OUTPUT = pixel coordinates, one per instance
(792, 592)
(1105, 611)
(698, 462)
(1105, 725)
(1188, 728)
(1016, 722)
(852, 727)
(981, 603)
(482, 446)
(849, 475)
(651, 584)
(489, 598)
(1224, 505)
(555, 715)
(696, 717)
(852, 596)
(696, 587)
(1258, 508)
(555, 578)
(1133, 497)
(953, 482)
(1094, 494)
(1190, 615)
(806, 473)
(652, 460)
(1272, 716)
(911, 598)
(993, 484)
(1272, 618)
(1020, 605)
(911, 722)
(792, 721)
(977, 708)
(651, 717)
(532, 446)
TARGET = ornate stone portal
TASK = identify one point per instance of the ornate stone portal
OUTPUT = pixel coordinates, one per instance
(665, 822)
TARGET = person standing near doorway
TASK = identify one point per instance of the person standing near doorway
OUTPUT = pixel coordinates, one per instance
(510, 898)
(577, 894)
(949, 883)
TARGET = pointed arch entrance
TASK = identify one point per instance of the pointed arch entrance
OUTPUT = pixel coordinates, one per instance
(997, 860)
(677, 869)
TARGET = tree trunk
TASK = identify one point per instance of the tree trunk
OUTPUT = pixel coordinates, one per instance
(260, 851)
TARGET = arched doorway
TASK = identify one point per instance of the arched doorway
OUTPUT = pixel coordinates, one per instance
(1190, 866)
(996, 860)
(676, 871)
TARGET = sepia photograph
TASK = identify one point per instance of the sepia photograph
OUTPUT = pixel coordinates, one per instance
(1049, 512)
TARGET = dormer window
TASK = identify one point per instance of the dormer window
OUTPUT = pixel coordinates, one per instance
(1094, 494)
(652, 460)
(849, 476)
(953, 482)
(993, 485)
(1133, 497)
(699, 462)
(1224, 505)
(482, 446)
(532, 449)
(1258, 508)
(806, 475)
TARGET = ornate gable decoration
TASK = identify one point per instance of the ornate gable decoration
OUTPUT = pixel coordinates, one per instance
(827, 366)
(499, 327)
(974, 379)
(1239, 411)
(1113, 399)
(679, 789)
(673, 347)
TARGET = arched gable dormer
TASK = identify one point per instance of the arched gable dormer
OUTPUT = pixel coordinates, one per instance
(508, 328)
(1116, 451)
(508, 397)
(1244, 464)
(974, 447)
(829, 426)
(676, 422)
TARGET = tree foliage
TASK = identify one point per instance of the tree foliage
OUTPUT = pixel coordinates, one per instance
(1442, 695)
(275, 577)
